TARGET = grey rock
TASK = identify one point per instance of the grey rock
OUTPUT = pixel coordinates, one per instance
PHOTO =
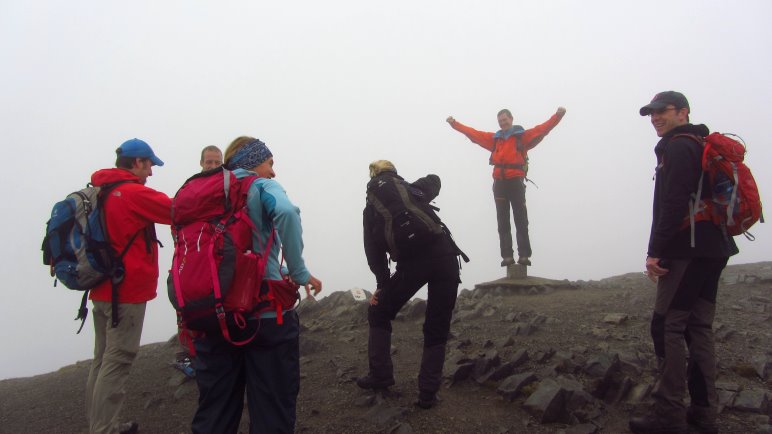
(415, 310)
(763, 366)
(543, 356)
(307, 306)
(469, 314)
(522, 329)
(512, 385)
(177, 379)
(153, 402)
(457, 358)
(365, 401)
(508, 368)
(401, 428)
(617, 390)
(615, 318)
(185, 390)
(638, 393)
(764, 429)
(575, 396)
(460, 372)
(507, 342)
(547, 403)
(485, 365)
(752, 400)
(585, 428)
(722, 332)
(489, 312)
(630, 364)
(725, 398)
(601, 366)
(383, 415)
(463, 343)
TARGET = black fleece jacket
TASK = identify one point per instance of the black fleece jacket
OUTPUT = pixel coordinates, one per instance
(677, 177)
(375, 240)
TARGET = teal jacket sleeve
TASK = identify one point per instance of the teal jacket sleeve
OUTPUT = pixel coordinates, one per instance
(270, 207)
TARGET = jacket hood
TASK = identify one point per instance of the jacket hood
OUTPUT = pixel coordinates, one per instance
(698, 130)
(108, 176)
(515, 130)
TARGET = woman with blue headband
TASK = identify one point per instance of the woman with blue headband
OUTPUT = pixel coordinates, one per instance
(268, 367)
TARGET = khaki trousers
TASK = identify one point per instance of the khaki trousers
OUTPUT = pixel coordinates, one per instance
(114, 352)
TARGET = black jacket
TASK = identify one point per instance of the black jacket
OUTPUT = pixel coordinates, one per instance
(677, 175)
(375, 240)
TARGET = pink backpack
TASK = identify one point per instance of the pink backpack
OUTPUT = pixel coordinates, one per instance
(216, 277)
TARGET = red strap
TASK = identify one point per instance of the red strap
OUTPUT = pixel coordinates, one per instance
(279, 315)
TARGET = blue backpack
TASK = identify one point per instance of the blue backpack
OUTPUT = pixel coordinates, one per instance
(77, 247)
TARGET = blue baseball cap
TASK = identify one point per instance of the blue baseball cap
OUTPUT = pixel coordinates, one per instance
(138, 149)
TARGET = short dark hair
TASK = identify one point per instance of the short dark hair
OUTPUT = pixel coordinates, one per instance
(504, 111)
(122, 162)
(210, 148)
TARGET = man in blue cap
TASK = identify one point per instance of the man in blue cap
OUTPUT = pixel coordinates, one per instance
(130, 211)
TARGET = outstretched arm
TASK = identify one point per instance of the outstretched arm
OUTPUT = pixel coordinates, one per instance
(533, 136)
(480, 137)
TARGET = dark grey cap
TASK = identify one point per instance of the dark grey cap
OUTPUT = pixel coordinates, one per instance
(662, 100)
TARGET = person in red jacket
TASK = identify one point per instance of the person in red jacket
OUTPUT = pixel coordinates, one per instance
(131, 210)
(509, 157)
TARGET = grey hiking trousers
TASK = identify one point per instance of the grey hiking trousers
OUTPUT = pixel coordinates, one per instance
(683, 321)
(114, 351)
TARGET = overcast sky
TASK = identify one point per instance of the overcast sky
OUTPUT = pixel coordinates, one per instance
(331, 86)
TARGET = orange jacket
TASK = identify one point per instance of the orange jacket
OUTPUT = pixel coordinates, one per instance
(507, 160)
(132, 208)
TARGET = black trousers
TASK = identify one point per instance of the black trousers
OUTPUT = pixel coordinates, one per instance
(511, 193)
(268, 368)
(683, 321)
(442, 276)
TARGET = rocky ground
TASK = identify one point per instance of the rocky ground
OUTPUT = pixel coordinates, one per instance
(531, 356)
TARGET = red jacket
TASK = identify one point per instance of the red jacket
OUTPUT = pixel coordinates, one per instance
(132, 208)
(503, 150)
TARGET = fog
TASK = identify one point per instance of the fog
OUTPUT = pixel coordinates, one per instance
(330, 87)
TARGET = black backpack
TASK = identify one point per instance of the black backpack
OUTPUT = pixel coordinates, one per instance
(410, 222)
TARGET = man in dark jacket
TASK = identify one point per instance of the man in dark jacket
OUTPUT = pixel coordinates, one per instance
(687, 277)
(433, 262)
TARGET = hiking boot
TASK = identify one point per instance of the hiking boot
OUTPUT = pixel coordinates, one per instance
(701, 422)
(651, 424)
(507, 261)
(426, 400)
(128, 428)
(370, 382)
(523, 260)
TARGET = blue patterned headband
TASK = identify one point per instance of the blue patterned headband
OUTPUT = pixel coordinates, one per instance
(250, 155)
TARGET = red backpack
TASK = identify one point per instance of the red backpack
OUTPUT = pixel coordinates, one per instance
(735, 204)
(216, 278)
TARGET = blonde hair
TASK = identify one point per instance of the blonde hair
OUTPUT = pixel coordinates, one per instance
(234, 147)
(378, 166)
